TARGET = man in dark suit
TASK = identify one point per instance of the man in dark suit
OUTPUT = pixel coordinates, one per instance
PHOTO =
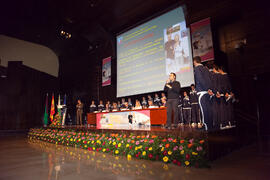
(172, 88)
(203, 87)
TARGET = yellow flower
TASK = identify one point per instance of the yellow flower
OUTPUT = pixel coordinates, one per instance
(170, 152)
(127, 145)
(116, 152)
(140, 147)
(92, 141)
(103, 149)
(85, 146)
(88, 142)
(150, 149)
(136, 148)
(128, 157)
(182, 152)
(110, 142)
(71, 139)
(194, 153)
(144, 153)
(79, 139)
(186, 163)
(114, 143)
(94, 148)
(165, 159)
(162, 149)
(119, 145)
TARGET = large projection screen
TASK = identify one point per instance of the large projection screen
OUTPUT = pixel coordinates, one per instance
(148, 53)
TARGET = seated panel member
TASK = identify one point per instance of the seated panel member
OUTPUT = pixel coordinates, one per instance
(163, 96)
(93, 107)
(144, 103)
(151, 104)
(130, 105)
(114, 107)
(118, 105)
(101, 106)
(138, 105)
(157, 101)
(107, 108)
(123, 103)
(163, 102)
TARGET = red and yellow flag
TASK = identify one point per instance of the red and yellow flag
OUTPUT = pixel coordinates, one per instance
(52, 109)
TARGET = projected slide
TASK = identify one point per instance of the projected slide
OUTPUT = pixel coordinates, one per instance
(147, 54)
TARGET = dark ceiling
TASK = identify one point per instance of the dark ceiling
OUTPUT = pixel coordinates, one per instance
(40, 21)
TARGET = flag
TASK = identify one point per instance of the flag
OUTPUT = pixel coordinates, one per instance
(45, 117)
(65, 110)
(59, 106)
(52, 108)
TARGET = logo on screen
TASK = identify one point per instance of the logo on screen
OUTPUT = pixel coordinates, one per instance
(120, 39)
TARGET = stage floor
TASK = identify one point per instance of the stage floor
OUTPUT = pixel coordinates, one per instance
(184, 131)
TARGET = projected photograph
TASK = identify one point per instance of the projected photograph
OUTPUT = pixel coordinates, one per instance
(176, 49)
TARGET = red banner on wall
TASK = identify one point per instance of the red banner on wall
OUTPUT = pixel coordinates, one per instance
(202, 43)
(106, 71)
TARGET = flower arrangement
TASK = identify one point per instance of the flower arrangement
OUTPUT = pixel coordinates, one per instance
(182, 152)
(56, 121)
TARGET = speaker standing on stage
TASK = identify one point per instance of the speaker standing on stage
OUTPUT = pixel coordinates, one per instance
(172, 88)
(79, 108)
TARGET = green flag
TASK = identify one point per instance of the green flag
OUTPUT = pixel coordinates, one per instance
(45, 117)
(59, 106)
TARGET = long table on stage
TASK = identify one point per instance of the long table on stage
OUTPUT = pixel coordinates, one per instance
(158, 116)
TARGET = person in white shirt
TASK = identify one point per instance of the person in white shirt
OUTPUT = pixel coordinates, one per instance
(179, 53)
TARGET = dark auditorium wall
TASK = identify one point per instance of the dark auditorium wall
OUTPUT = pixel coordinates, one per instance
(22, 96)
(248, 66)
